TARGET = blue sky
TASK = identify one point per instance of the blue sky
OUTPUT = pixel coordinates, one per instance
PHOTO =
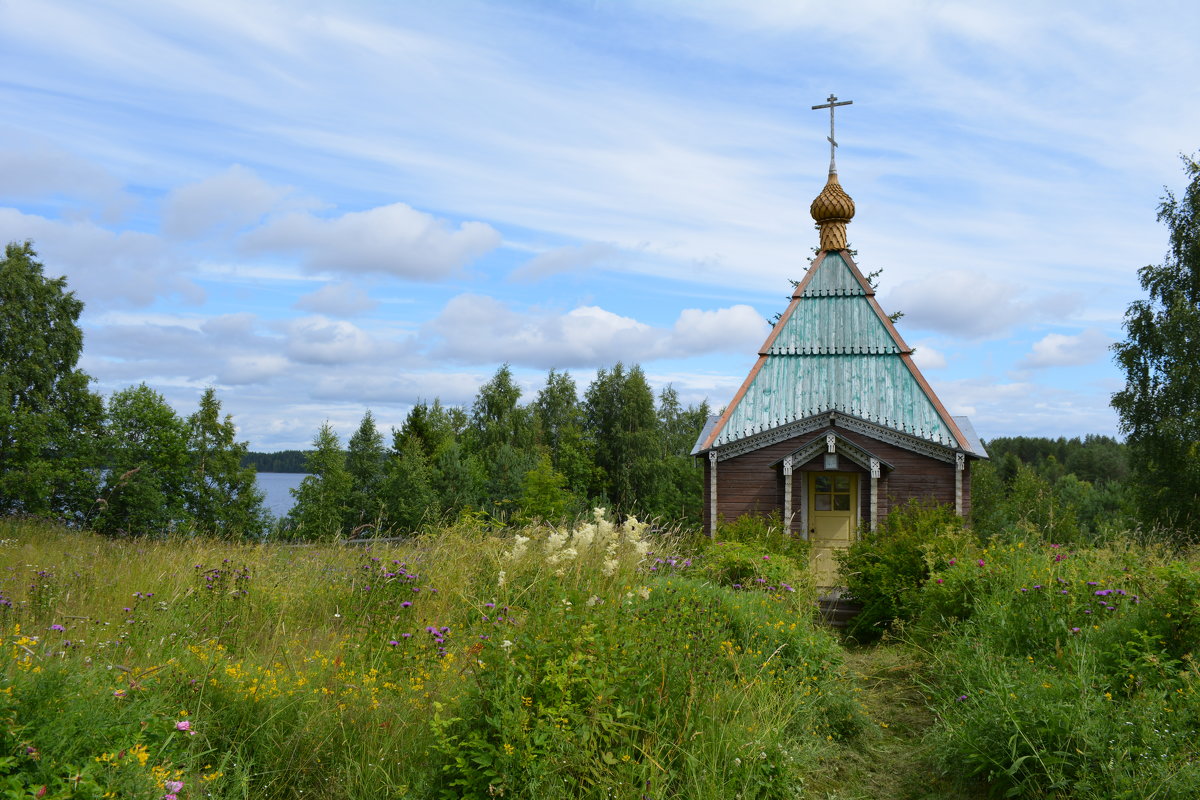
(320, 208)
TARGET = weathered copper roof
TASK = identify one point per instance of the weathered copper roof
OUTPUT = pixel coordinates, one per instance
(834, 350)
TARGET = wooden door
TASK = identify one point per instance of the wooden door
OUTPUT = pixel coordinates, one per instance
(832, 518)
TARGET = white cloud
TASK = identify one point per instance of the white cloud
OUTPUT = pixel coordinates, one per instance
(735, 329)
(1059, 350)
(563, 259)
(338, 299)
(928, 357)
(126, 268)
(390, 240)
(478, 329)
(958, 302)
(225, 203)
(39, 170)
(319, 340)
(241, 370)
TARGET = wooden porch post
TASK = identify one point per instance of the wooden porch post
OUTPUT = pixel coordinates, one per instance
(960, 463)
(712, 494)
(874, 493)
(787, 494)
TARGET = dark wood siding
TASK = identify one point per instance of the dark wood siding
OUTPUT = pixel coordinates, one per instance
(749, 484)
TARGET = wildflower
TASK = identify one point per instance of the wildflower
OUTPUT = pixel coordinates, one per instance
(186, 726)
(953, 561)
(980, 562)
(506, 644)
(962, 698)
(1037, 586)
(173, 786)
(406, 604)
(1103, 592)
(489, 605)
(939, 580)
(766, 558)
(406, 636)
(57, 627)
(500, 579)
(1074, 630)
(393, 643)
(644, 592)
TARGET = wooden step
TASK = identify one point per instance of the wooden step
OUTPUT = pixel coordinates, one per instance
(836, 610)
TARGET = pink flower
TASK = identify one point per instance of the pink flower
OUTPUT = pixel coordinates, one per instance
(980, 562)
(173, 786)
(185, 725)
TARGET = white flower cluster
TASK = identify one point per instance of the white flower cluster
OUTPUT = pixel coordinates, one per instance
(600, 537)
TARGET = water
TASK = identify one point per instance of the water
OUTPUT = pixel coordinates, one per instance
(276, 488)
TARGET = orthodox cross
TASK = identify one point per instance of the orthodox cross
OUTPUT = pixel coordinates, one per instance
(832, 103)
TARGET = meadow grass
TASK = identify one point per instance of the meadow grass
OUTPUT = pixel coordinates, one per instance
(593, 661)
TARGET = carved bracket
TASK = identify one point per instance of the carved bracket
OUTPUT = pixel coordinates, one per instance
(960, 461)
(875, 468)
(787, 465)
(831, 442)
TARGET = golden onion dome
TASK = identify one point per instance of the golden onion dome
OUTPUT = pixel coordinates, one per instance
(832, 209)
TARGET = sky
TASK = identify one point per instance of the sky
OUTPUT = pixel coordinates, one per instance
(320, 208)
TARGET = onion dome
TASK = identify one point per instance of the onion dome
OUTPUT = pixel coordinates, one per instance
(832, 209)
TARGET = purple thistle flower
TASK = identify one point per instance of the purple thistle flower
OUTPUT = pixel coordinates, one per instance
(489, 605)
(406, 636)
(57, 627)
(393, 643)
(406, 604)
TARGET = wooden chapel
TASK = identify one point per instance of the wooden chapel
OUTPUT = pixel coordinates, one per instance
(835, 424)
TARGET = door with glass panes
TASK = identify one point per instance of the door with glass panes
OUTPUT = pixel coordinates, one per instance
(832, 516)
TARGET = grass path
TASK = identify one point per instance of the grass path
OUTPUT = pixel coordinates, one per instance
(890, 762)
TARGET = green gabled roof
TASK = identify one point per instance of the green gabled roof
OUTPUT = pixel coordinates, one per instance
(834, 349)
(833, 325)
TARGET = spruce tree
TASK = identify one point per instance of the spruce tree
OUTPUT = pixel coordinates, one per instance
(323, 497)
(221, 496)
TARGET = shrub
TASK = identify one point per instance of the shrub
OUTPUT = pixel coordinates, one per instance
(886, 568)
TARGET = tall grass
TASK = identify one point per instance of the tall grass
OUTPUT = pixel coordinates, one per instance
(598, 661)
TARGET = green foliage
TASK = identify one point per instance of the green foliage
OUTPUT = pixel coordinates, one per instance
(49, 419)
(545, 495)
(407, 492)
(1158, 406)
(747, 566)
(885, 569)
(323, 497)
(283, 461)
(549, 663)
(146, 453)
(366, 463)
(220, 495)
(619, 416)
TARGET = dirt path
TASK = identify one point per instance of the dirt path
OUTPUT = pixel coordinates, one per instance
(889, 762)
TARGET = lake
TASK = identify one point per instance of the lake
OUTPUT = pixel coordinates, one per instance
(276, 488)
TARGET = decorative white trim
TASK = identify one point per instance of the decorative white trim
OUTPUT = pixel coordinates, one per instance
(772, 436)
(960, 461)
(831, 442)
(902, 440)
(906, 441)
(874, 467)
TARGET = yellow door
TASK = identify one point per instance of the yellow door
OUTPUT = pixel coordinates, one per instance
(832, 513)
